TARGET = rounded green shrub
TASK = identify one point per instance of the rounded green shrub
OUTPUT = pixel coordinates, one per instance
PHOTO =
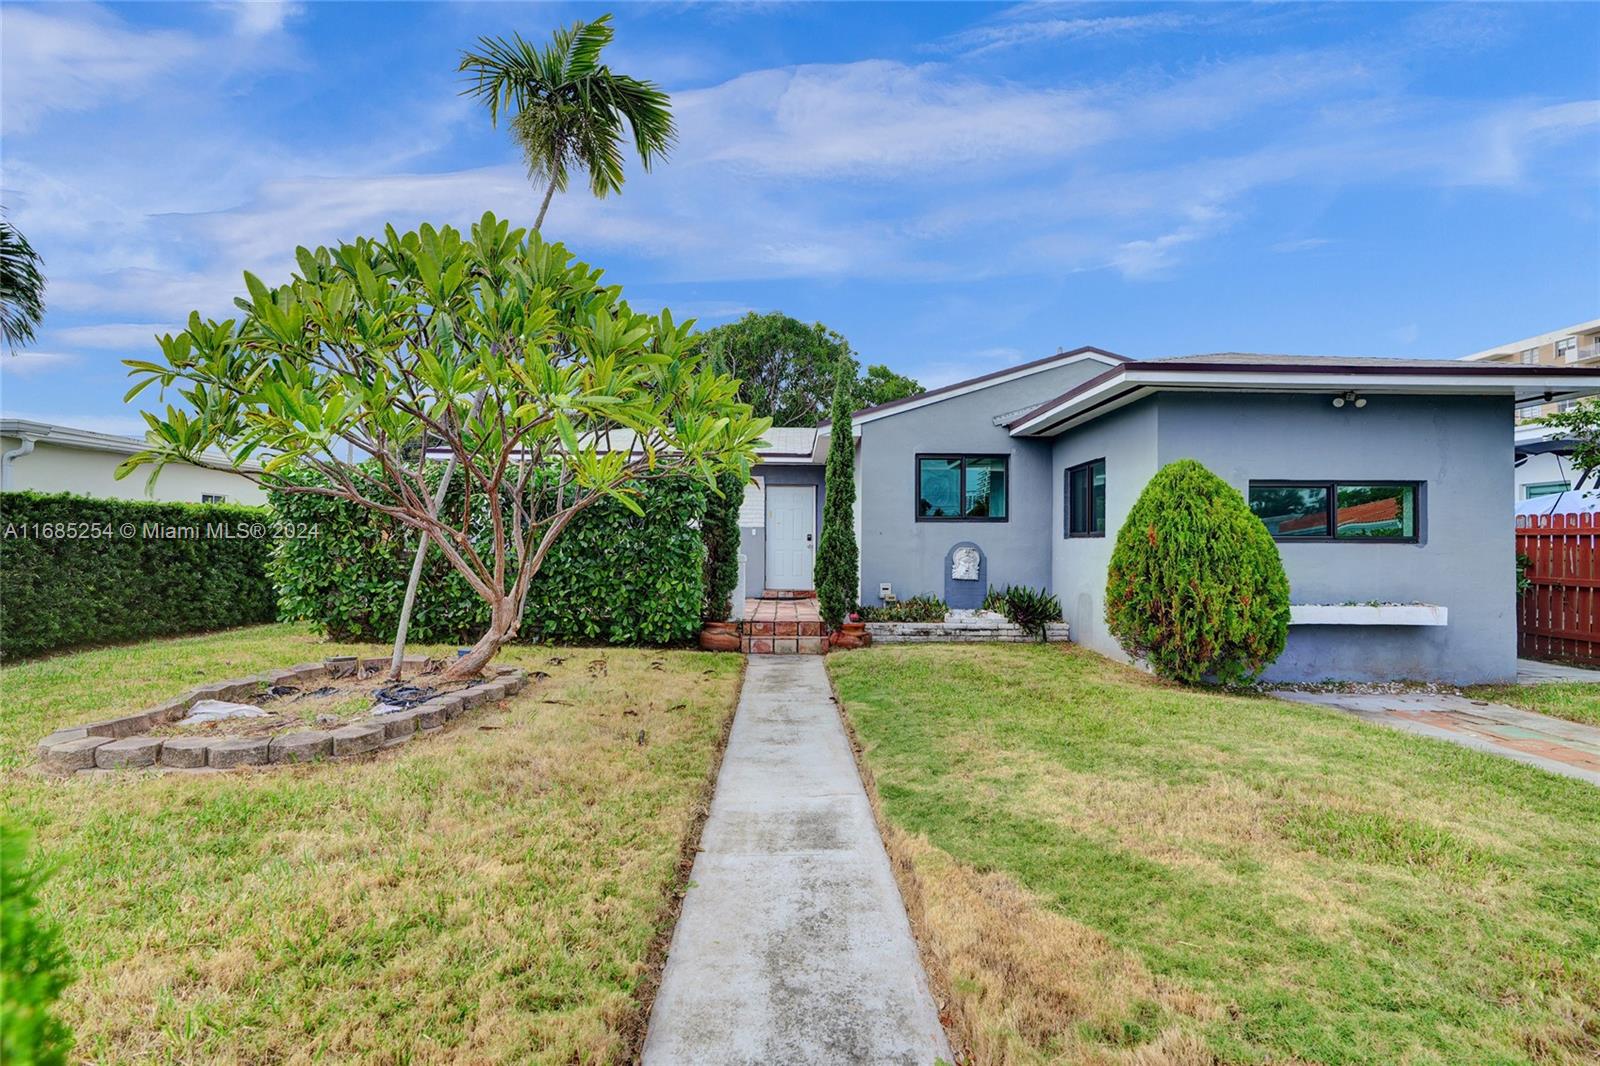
(1195, 586)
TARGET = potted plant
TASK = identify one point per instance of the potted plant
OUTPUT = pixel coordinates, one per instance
(851, 633)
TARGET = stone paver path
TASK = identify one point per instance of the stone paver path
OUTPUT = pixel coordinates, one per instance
(793, 944)
(1554, 744)
(1533, 672)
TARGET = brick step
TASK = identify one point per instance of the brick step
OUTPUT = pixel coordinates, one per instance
(783, 645)
(795, 628)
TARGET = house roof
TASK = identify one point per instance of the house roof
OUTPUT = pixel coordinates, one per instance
(780, 445)
(1251, 372)
(984, 381)
(91, 440)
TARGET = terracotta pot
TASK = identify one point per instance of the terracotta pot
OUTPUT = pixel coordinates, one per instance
(720, 636)
(850, 635)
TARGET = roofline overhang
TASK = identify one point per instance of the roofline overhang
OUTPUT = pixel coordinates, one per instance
(113, 443)
(1133, 381)
(984, 381)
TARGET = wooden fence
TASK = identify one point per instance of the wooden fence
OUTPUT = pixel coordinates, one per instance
(1558, 617)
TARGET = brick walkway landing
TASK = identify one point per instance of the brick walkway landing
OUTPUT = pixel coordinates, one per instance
(781, 627)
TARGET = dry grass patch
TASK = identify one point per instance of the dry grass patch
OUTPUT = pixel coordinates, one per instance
(490, 894)
(1112, 869)
(1032, 986)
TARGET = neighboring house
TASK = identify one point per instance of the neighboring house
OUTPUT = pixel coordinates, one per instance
(1543, 466)
(42, 457)
(1386, 481)
(1577, 345)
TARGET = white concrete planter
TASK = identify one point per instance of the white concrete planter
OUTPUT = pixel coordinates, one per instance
(1365, 614)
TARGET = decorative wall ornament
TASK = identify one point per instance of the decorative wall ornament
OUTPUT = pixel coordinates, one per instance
(964, 564)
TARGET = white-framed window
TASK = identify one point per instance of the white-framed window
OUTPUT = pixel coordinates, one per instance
(1530, 355)
(1567, 349)
(211, 497)
(1544, 488)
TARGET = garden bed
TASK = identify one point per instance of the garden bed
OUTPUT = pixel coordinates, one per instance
(962, 627)
(227, 724)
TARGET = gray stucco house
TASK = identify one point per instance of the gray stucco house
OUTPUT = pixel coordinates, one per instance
(1383, 480)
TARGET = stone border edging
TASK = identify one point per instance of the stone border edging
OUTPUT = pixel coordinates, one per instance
(960, 633)
(120, 743)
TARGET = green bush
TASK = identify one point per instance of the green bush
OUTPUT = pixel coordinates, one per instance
(612, 577)
(838, 557)
(1031, 609)
(76, 570)
(1195, 586)
(34, 966)
(720, 531)
(916, 609)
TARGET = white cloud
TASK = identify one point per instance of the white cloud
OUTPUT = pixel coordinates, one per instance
(878, 117)
(29, 363)
(75, 56)
(1011, 31)
(112, 335)
(1301, 244)
(257, 18)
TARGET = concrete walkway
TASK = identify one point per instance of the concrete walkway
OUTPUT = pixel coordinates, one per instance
(1552, 744)
(793, 944)
(1533, 672)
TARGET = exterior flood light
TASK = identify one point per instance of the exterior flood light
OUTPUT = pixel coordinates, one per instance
(1349, 397)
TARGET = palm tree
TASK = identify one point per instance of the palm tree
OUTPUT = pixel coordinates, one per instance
(568, 109)
(21, 287)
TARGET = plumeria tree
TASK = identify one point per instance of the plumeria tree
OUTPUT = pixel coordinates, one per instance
(498, 349)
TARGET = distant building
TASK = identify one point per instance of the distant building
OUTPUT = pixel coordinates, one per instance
(1577, 345)
(1543, 467)
(42, 457)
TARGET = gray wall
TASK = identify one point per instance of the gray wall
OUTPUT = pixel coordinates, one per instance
(1460, 448)
(755, 539)
(1126, 440)
(910, 554)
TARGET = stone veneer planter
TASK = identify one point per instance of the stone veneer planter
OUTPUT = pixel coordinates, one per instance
(966, 630)
(118, 743)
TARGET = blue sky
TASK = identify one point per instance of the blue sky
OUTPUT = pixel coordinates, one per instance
(953, 187)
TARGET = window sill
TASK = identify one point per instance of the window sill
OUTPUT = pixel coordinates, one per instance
(1368, 614)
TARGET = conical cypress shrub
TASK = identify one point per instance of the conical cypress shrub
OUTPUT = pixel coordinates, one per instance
(838, 558)
(720, 532)
(1195, 586)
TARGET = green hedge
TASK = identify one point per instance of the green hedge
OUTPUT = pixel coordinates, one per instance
(612, 577)
(75, 570)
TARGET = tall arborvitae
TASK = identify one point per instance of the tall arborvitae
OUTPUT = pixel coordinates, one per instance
(720, 532)
(838, 559)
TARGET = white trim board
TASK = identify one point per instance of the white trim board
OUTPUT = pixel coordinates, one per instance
(1103, 398)
(979, 384)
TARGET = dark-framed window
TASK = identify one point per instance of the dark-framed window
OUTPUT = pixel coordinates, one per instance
(1373, 512)
(963, 488)
(1083, 496)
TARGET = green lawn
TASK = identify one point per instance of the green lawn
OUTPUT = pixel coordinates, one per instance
(489, 894)
(1576, 701)
(1109, 869)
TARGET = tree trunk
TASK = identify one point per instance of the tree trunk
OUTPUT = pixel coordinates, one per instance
(549, 192)
(416, 570)
(444, 485)
(502, 627)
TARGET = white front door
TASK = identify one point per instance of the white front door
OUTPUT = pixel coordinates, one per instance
(791, 535)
